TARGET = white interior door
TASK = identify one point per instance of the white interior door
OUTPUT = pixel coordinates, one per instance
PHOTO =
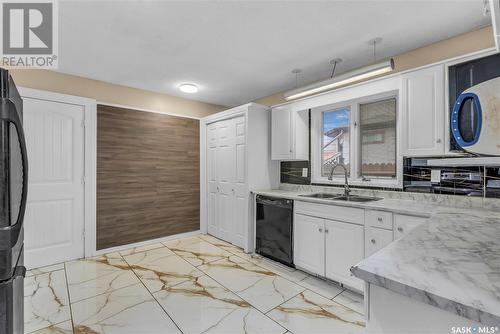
(54, 220)
(240, 190)
(225, 179)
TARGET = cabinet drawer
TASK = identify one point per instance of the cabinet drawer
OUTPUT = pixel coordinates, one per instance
(404, 224)
(333, 212)
(380, 219)
(376, 239)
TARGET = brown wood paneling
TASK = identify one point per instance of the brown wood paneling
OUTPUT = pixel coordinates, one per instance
(147, 176)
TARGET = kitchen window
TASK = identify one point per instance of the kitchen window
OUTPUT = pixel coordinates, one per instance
(361, 134)
(377, 124)
(335, 142)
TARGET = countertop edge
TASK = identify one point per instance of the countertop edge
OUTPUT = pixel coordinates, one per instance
(445, 304)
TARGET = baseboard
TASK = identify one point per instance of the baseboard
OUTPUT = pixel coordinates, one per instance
(147, 242)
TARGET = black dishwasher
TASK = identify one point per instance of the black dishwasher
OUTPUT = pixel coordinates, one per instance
(274, 229)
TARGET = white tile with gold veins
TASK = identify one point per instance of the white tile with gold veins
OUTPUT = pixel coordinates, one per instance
(93, 276)
(45, 301)
(123, 311)
(140, 249)
(204, 306)
(62, 328)
(262, 288)
(309, 312)
(160, 268)
(196, 251)
(352, 300)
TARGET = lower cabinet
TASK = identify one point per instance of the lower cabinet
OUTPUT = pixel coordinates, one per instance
(404, 224)
(376, 239)
(309, 244)
(343, 249)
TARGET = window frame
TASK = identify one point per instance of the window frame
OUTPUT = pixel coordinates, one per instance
(354, 145)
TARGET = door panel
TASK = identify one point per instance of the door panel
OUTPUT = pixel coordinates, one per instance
(54, 222)
(344, 244)
(225, 179)
(212, 179)
(241, 196)
(308, 244)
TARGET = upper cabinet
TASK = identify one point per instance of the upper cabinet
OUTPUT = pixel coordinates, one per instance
(289, 134)
(423, 114)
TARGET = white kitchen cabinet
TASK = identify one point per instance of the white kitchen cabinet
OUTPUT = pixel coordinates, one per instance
(289, 134)
(234, 161)
(309, 244)
(344, 247)
(423, 114)
(376, 239)
(405, 223)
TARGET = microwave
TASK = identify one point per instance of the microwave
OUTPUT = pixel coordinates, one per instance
(474, 106)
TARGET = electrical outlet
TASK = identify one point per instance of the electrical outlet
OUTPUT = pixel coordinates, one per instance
(304, 172)
(436, 175)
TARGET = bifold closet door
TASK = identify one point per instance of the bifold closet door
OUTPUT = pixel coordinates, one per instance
(226, 177)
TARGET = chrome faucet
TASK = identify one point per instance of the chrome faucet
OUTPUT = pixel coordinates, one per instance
(347, 190)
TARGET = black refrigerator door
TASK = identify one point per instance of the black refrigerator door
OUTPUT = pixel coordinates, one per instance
(13, 185)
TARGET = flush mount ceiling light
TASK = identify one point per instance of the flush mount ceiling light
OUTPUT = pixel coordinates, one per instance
(344, 79)
(188, 88)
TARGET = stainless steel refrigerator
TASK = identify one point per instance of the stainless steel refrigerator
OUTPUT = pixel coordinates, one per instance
(13, 192)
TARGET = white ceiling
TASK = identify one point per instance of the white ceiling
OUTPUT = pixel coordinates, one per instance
(238, 51)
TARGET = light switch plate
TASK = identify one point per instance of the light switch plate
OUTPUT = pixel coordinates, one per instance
(435, 175)
(304, 172)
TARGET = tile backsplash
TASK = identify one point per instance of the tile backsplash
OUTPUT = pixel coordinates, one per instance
(465, 181)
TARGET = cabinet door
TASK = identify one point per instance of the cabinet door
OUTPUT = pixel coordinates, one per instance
(423, 130)
(281, 138)
(404, 224)
(309, 244)
(344, 244)
(376, 239)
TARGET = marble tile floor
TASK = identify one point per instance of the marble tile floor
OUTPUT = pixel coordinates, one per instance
(198, 284)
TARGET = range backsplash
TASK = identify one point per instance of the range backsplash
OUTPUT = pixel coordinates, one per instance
(464, 181)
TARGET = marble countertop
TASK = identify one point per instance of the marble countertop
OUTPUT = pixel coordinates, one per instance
(451, 261)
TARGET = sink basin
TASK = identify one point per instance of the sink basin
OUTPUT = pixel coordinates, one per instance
(321, 195)
(354, 198)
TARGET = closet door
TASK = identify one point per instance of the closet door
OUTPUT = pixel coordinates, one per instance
(226, 167)
(213, 226)
(240, 188)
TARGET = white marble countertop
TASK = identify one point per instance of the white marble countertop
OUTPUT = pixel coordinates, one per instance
(451, 261)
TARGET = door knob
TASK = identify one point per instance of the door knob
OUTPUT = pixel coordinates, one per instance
(326, 230)
(400, 229)
(373, 241)
(320, 230)
(438, 141)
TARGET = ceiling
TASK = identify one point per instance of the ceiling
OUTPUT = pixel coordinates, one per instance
(239, 51)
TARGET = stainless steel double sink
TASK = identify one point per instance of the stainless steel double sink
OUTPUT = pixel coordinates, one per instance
(339, 197)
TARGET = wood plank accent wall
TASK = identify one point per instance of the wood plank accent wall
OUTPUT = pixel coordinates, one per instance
(147, 176)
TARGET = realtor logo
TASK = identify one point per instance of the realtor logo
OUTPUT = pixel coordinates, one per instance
(29, 34)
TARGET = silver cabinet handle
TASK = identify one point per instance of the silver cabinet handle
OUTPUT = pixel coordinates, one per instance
(291, 151)
(326, 230)
(217, 188)
(379, 219)
(320, 230)
(438, 141)
(400, 229)
(373, 241)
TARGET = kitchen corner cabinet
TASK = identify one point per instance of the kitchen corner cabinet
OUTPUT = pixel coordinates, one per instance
(289, 134)
(423, 112)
